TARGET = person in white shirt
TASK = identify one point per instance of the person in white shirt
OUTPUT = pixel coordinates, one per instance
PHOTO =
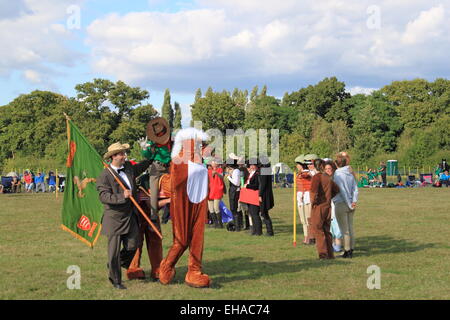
(234, 178)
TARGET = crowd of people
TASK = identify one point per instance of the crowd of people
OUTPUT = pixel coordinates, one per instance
(442, 177)
(29, 182)
(327, 194)
(377, 177)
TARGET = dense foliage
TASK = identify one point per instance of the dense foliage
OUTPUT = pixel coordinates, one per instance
(405, 120)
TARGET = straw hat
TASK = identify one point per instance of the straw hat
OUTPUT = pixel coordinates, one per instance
(158, 130)
(116, 148)
(311, 157)
(300, 159)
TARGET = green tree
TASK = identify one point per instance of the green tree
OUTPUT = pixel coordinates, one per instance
(166, 110)
(177, 120)
(254, 93)
(217, 110)
(198, 94)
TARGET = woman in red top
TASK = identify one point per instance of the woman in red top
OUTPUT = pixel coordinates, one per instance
(216, 187)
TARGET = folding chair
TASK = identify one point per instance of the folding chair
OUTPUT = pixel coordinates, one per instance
(7, 184)
(426, 178)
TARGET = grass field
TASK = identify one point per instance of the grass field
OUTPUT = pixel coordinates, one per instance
(405, 232)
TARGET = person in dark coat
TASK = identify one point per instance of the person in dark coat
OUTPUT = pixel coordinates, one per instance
(119, 222)
(234, 178)
(265, 193)
(252, 183)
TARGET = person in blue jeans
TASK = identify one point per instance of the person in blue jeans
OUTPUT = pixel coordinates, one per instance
(330, 167)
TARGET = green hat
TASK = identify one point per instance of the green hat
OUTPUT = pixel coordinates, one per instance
(311, 157)
(300, 159)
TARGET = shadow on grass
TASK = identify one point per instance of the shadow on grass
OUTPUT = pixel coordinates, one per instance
(246, 268)
(373, 245)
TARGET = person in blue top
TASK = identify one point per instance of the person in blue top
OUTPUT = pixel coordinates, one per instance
(51, 181)
(444, 178)
(345, 203)
(39, 182)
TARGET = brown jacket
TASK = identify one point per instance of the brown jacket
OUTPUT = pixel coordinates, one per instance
(323, 189)
(117, 217)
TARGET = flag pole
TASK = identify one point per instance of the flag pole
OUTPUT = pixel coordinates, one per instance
(134, 201)
(57, 183)
(295, 211)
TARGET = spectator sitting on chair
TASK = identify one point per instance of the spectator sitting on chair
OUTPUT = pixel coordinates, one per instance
(372, 176)
(51, 181)
(28, 178)
(444, 178)
(438, 171)
(16, 186)
(39, 181)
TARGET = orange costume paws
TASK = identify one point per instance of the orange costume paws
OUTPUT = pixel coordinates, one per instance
(197, 279)
(166, 273)
(135, 273)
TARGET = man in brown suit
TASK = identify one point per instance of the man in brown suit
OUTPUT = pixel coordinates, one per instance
(323, 189)
(119, 222)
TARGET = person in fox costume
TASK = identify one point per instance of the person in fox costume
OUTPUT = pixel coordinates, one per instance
(188, 207)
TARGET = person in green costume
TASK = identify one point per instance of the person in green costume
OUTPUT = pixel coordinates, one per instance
(159, 150)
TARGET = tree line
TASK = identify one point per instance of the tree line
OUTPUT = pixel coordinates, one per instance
(405, 120)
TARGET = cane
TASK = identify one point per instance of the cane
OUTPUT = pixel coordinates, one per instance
(134, 202)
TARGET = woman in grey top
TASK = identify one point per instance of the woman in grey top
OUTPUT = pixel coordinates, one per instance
(345, 203)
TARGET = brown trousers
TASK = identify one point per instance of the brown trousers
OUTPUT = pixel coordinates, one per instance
(320, 225)
(153, 243)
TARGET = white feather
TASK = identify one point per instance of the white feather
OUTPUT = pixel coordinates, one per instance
(187, 134)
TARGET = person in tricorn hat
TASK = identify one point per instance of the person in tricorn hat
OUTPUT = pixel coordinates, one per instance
(119, 222)
(253, 183)
(158, 149)
(266, 193)
(234, 178)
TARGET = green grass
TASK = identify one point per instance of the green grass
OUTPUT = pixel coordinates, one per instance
(404, 232)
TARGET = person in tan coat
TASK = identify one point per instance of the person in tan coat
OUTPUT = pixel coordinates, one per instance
(323, 189)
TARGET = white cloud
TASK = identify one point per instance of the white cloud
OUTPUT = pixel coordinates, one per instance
(360, 90)
(33, 38)
(32, 76)
(429, 24)
(228, 42)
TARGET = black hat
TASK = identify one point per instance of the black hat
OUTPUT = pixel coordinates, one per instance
(254, 161)
(232, 163)
(264, 162)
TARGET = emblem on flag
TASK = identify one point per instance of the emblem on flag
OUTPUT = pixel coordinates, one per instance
(84, 223)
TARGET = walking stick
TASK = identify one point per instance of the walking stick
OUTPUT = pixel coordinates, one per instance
(134, 202)
(145, 191)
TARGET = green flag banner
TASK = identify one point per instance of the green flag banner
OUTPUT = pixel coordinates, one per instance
(82, 210)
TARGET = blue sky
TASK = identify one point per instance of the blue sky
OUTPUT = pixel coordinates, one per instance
(185, 45)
